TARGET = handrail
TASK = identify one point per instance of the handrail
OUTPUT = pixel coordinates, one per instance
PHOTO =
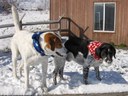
(33, 23)
(53, 30)
(30, 23)
(49, 22)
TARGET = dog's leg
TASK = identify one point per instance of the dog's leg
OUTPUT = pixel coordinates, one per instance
(61, 70)
(59, 66)
(26, 72)
(97, 73)
(85, 74)
(14, 67)
(56, 70)
(20, 68)
(55, 75)
(44, 73)
(14, 60)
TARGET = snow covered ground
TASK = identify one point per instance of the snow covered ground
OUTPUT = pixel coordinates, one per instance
(114, 77)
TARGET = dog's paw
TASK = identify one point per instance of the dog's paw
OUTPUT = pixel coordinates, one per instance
(55, 82)
(86, 82)
(64, 79)
(45, 90)
(15, 77)
(98, 78)
(29, 91)
(41, 90)
(16, 81)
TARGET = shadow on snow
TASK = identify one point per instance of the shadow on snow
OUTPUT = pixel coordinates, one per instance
(108, 77)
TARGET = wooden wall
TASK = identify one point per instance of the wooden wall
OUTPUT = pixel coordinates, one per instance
(82, 11)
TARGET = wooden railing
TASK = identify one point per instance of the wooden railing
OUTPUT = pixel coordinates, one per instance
(59, 22)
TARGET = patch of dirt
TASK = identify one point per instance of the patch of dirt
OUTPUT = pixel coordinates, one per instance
(97, 94)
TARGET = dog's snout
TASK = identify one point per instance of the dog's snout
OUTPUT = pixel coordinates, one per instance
(108, 59)
(109, 62)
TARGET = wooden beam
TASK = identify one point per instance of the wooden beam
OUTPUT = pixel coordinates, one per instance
(6, 36)
(52, 30)
(30, 23)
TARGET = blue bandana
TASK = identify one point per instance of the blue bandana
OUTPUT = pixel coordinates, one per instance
(36, 43)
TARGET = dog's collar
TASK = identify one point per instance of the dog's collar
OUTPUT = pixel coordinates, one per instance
(92, 48)
(36, 43)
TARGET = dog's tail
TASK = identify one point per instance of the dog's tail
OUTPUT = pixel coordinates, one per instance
(15, 18)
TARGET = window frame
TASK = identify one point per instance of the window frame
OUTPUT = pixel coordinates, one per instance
(105, 31)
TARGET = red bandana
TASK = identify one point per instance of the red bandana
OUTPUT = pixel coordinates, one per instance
(92, 47)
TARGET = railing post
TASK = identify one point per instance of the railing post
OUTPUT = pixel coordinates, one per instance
(59, 25)
(69, 27)
(21, 25)
(81, 33)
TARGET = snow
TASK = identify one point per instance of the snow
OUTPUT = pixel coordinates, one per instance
(114, 77)
(25, 4)
(34, 4)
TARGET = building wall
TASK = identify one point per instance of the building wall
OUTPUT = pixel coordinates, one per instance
(82, 11)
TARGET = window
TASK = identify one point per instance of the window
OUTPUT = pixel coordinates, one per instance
(104, 17)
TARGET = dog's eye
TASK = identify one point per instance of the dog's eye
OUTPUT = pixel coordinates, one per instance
(59, 45)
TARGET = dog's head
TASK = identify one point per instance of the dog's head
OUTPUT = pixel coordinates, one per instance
(106, 52)
(54, 45)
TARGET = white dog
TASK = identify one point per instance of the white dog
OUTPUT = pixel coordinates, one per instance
(34, 48)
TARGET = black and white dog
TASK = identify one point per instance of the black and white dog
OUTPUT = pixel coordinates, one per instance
(88, 53)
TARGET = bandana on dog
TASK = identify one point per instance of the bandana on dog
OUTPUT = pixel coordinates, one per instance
(92, 47)
(36, 43)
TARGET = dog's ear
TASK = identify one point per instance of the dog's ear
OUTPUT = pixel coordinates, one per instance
(50, 39)
(113, 52)
(98, 52)
(51, 44)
